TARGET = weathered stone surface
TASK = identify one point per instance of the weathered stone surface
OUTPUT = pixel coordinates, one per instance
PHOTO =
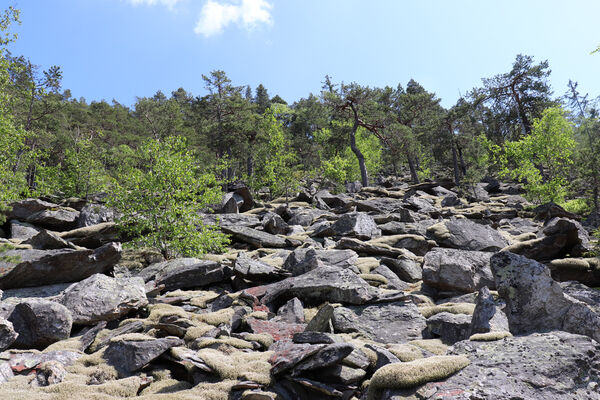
(44, 267)
(577, 238)
(358, 225)
(248, 220)
(551, 210)
(384, 356)
(292, 312)
(22, 209)
(7, 334)
(58, 219)
(278, 329)
(535, 302)
(255, 270)
(128, 356)
(467, 235)
(591, 297)
(47, 240)
(325, 357)
(254, 237)
(131, 327)
(321, 321)
(274, 224)
(583, 270)
(487, 317)
(40, 323)
(450, 328)
(102, 298)
(22, 230)
(231, 203)
(332, 284)
(294, 263)
(405, 266)
(457, 270)
(288, 354)
(94, 214)
(367, 248)
(93, 236)
(182, 273)
(554, 365)
(396, 322)
(393, 282)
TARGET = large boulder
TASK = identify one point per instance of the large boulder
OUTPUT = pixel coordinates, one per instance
(94, 214)
(358, 225)
(254, 237)
(457, 270)
(323, 284)
(57, 219)
(93, 236)
(7, 334)
(22, 209)
(303, 260)
(183, 273)
(449, 327)
(45, 267)
(535, 302)
(255, 270)
(40, 323)
(128, 354)
(102, 298)
(396, 322)
(465, 234)
(554, 365)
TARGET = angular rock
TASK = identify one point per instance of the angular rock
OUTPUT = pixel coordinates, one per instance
(279, 330)
(183, 273)
(22, 230)
(321, 321)
(467, 235)
(535, 302)
(288, 354)
(274, 224)
(358, 225)
(325, 357)
(94, 214)
(591, 297)
(93, 236)
(487, 317)
(40, 323)
(450, 328)
(47, 240)
(22, 209)
(128, 356)
(255, 270)
(458, 270)
(7, 334)
(44, 267)
(247, 220)
(254, 237)
(396, 322)
(405, 266)
(291, 312)
(554, 365)
(393, 282)
(58, 219)
(319, 285)
(384, 356)
(102, 298)
(295, 262)
(577, 238)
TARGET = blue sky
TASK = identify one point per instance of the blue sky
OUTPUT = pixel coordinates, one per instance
(126, 48)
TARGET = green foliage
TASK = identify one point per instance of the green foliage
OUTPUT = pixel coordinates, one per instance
(577, 206)
(274, 155)
(161, 201)
(541, 160)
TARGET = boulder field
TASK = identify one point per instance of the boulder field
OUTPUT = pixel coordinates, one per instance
(389, 292)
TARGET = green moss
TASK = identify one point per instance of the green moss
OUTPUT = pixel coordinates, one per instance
(490, 336)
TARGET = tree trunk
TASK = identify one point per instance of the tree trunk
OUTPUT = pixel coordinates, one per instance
(455, 165)
(413, 170)
(463, 167)
(525, 124)
(364, 177)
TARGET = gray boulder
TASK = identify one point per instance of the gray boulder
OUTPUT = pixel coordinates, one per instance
(332, 284)
(396, 322)
(358, 225)
(255, 270)
(40, 323)
(274, 224)
(467, 235)
(57, 219)
(254, 237)
(487, 317)
(406, 266)
(333, 258)
(128, 356)
(457, 270)
(535, 302)
(22, 230)
(47, 240)
(450, 328)
(22, 209)
(45, 267)
(182, 273)
(7, 334)
(102, 298)
(94, 214)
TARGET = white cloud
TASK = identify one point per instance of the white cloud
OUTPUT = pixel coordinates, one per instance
(169, 3)
(249, 14)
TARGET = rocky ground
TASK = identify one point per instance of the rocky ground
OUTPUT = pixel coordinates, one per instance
(388, 292)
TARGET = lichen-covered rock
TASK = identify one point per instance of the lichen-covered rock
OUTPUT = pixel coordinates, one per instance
(182, 273)
(44, 267)
(467, 235)
(458, 270)
(396, 322)
(358, 225)
(535, 302)
(102, 298)
(40, 323)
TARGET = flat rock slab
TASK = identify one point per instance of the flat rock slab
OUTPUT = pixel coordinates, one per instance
(185, 273)
(254, 237)
(323, 284)
(555, 365)
(467, 235)
(288, 354)
(458, 270)
(128, 356)
(102, 298)
(397, 322)
(45, 267)
(277, 329)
